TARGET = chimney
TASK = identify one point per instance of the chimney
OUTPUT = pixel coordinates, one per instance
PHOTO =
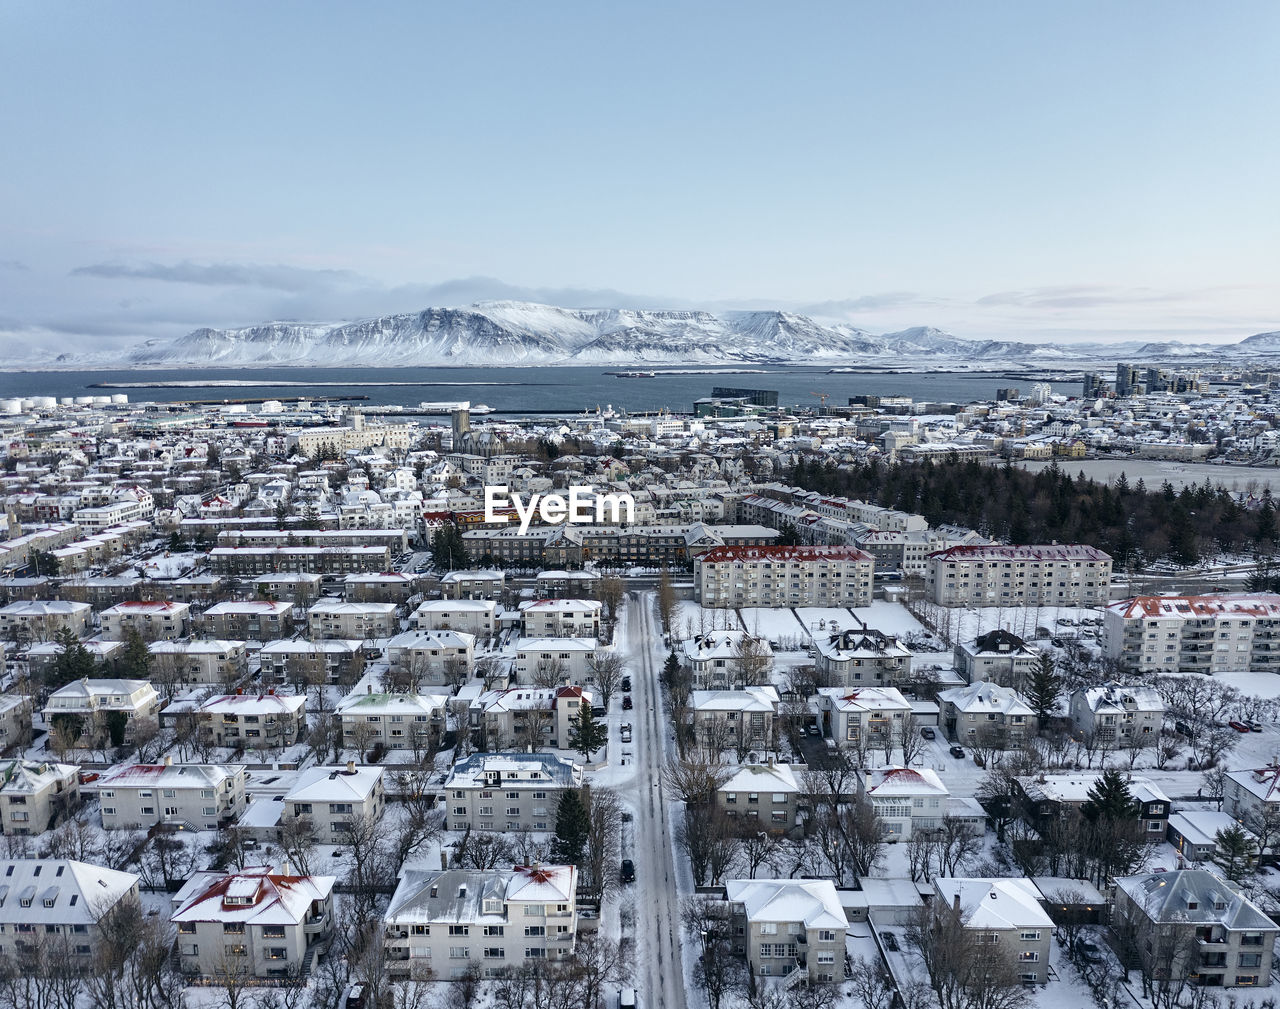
(368, 688)
(168, 760)
(955, 902)
(351, 767)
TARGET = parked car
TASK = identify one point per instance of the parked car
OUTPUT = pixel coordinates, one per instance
(626, 732)
(626, 683)
(812, 730)
(1253, 726)
(627, 998)
(1090, 951)
(626, 702)
(890, 941)
(1182, 728)
(597, 711)
(928, 733)
(628, 871)
(355, 997)
(957, 751)
(1057, 642)
(1239, 726)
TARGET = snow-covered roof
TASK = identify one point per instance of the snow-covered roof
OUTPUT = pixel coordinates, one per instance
(561, 605)
(335, 784)
(29, 777)
(340, 606)
(1193, 895)
(514, 770)
(1115, 698)
(863, 698)
(814, 902)
(1197, 607)
(391, 704)
(251, 607)
(61, 891)
(774, 553)
(895, 781)
(981, 696)
(254, 704)
(460, 895)
(169, 775)
(997, 552)
(747, 700)
(993, 903)
(555, 644)
(255, 896)
(763, 778)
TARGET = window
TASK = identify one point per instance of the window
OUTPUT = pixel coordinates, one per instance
(1028, 956)
(493, 931)
(768, 928)
(1246, 980)
(1029, 936)
(535, 953)
(459, 952)
(494, 953)
(826, 935)
(459, 930)
(534, 930)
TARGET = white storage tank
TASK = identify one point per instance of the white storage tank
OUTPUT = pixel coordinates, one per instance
(10, 406)
(119, 398)
(43, 403)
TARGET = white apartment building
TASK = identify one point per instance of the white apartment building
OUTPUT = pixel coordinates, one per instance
(986, 714)
(474, 616)
(330, 661)
(1005, 914)
(15, 718)
(995, 575)
(252, 720)
(201, 660)
(735, 576)
(58, 900)
(722, 660)
(734, 717)
(248, 620)
(41, 619)
(253, 923)
(424, 653)
(507, 791)
(154, 621)
(1200, 634)
(441, 923)
(335, 618)
(998, 656)
(568, 658)
(398, 721)
(906, 799)
(861, 717)
(186, 796)
(861, 657)
(35, 797)
(561, 618)
(330, 796)
(518, 717)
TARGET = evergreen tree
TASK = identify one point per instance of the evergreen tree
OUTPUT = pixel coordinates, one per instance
(586, 735)
(1044, 687)
(1235, 854)
(449, 549)
(135, 661)
(74, 661)
(1109, 799)
(572, 828)
(788, 536)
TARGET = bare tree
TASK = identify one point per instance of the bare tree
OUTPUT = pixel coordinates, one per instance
(909, 738)
(960, 966)
(751, 661)
(695, 781)
(864, 835)
(604, 818)
(759, 848)
(607, 672)
(550, 673)
(298, 838)
(871, 985)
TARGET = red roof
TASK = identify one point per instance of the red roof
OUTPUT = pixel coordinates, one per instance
(1045, 552)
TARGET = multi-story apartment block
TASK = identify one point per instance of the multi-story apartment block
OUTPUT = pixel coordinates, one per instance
(507, 791)
(248, 620)
(474, 616)
(1194, 634)
(1003, 914)
(724, 719)
(998, 656)
(88, 712)
(35, 797)
(395, 540)
(561, 618)
(763, 797)
(298, 660)
(1189, 923)
(41, 619)
(1051, 575)
(380, 587)
(329, 797)
(61, 902)
(864, 717)
(254, 561)
(154, 621)
(986, 714)
(252, 720)
(567, 661)
(1121, 714)
(861, 657)
(727, 660)
(335, 618)
(398, 721)
(251, 924)
(424, 654)
(441, 923)
(518, 717)
(189, 796)
(480, 584)
(783, 576)
(906, 799)
(794, 929)
(294, 586)
(201, 660)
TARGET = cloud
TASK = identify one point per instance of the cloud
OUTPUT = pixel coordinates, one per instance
(17, 265)
(1080, 296)
(290, 279)
(867, 303)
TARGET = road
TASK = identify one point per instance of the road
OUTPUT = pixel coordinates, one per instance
(659, 971)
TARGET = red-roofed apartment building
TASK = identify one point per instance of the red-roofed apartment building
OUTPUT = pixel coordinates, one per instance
(734, 576)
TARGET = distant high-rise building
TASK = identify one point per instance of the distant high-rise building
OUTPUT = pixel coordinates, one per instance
(461, 429)
(1127, 379)
(1095, 387)
(756, 397)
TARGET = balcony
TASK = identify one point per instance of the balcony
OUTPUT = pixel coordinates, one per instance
(316, 925)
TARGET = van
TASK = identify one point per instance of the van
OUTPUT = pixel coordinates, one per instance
(627, 998)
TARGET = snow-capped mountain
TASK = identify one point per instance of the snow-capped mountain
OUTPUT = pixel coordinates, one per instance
(513, 333)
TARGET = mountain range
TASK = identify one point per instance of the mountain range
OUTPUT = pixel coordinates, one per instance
(518, 333)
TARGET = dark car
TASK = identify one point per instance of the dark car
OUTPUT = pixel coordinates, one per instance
(1090, 951)
(928, 733)
(626, 702)
(355, 997)
(626, 683)
(890, 941)
(956, 751)
(1057, 642)
(1254, 726)
(1183, 729)
(628, 871)
(812, 730)
(597, 711)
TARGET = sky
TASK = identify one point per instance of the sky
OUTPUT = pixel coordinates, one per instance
(1043, 171)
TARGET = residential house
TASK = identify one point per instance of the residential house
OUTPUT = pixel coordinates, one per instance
(1005, 915)
(763, 797)
(507, 791)
(36, 797)
(517, 717)
(475, 616)
(729, 719)
(794, 929)
(336, 618)
(60, 900)
(561, 618)
(201, 660)
(862, 717)
(424, 654)
(181, 796)
(248, 620)
(153, 621)
(998, 656)
(566, 661)
(94, 712)
(1123, 715)
(397, 721)
(1032, 575)
(861, 657)
(255, 721)
(906, 799)
(41, 619)
(727, 660)
(986, 714)
(331, 796)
